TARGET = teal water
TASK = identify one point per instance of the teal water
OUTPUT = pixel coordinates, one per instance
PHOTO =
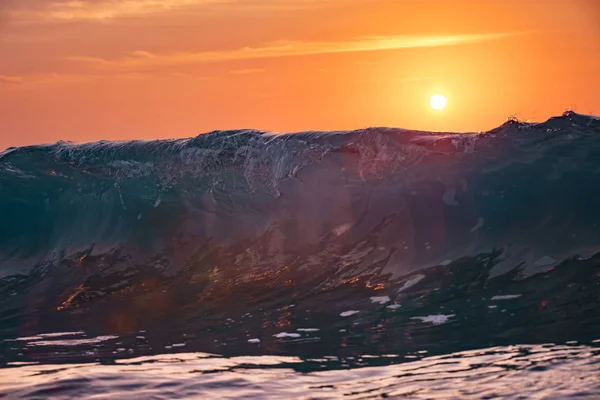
(363, 264)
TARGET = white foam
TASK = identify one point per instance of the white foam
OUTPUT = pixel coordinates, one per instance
(438, 319)
(49, 335)
(253, 340)
(380, 299)
(308, 330)
(411, 282)
(340, 230)
(480, 223)
(393, 306)
(348, 313)
(24, 339)
(287, 335)
(72, 342)
(59, 334)
(507, 297)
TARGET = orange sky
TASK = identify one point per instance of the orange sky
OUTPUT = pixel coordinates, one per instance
(86, 70)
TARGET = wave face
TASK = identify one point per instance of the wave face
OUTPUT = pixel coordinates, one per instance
(244, 242)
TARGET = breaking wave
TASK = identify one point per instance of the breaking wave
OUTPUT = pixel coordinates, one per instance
(375, 241)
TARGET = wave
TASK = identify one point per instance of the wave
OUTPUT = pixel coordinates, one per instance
(377, 230)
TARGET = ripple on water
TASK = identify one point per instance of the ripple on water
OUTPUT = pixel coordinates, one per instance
(540, 371)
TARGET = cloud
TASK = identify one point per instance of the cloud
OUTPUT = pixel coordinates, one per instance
(143, 60)
(99, 10)
(248, 71)
(5, 6)
(42, 78)
(11, 79)
(108, 9)
(37, 80)
(105, 10)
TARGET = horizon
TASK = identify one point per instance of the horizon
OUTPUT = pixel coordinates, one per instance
(189, 66)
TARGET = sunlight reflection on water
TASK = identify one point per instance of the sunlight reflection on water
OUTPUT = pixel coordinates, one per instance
(540, 371)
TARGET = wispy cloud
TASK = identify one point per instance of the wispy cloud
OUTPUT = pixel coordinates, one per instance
(143, 60)
(42, 78)
(11, 79)
(98, 10)
(248, 71)
(108, 9)
(36, 80)
(105, 10)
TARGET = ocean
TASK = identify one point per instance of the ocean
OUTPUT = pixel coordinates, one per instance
(376, 263)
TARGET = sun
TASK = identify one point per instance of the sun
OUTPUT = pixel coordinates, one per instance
(438, 102)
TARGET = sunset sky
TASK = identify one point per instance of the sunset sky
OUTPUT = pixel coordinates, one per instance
(85, 70)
